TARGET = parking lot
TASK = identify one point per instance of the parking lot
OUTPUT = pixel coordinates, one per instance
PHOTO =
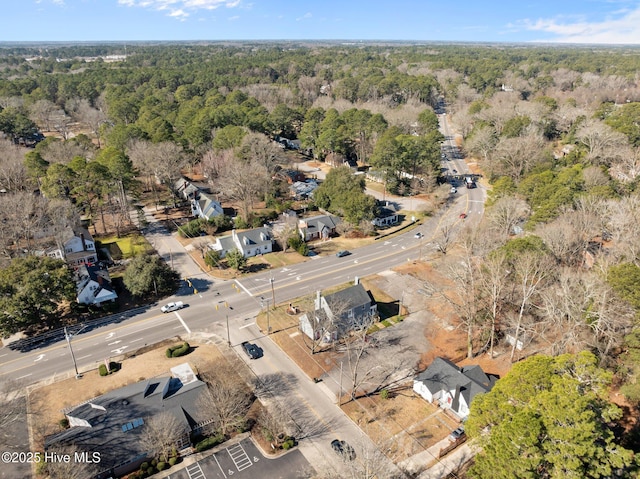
(243, 461)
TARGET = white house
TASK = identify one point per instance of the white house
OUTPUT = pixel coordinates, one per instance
(94, 285)
(204, 206)
(452, 387)
(338, 313)
(77, 249)
(250, 243)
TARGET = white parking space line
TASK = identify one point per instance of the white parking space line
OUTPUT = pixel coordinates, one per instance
(183, 323)
(219, 466)
(195, 471)
(239, 457)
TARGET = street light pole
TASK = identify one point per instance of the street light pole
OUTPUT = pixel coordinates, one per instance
(73, 357)
(273, 293)
(340, 394)
(228, 336)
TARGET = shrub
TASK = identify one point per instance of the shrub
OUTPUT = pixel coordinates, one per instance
(150, 471)
(177, 351)
(64, 423)
(384, 394)
(288, 443)
(154, 462)
(298, 244)
(103, 370)
(172, 461)
(161, 465)
(208, 443)
(144, 466)
(192, 229)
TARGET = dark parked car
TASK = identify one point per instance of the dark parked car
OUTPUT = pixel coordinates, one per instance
(456, 434)
(342, 253)
(253, 351)
(343, 449)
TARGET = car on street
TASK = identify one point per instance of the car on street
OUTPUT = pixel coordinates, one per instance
(342, 253)
(253, 351)
(343, 449)
(453, 190)
(167, 308)
(418, 235)
(463, 216)
(455, 171)
(457, 434)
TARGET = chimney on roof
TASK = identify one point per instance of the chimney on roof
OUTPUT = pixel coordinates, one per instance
(84, 242)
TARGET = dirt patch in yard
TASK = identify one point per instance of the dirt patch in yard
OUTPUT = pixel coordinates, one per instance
(403, 425)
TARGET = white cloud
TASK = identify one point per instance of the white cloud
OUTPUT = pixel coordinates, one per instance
(620, 27)
(306, 15)
(234, 18)
(180, 9)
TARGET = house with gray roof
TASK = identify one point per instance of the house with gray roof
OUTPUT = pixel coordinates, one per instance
(205, 206)
(93, 285)
(452, 387)
(318, 227)
(339, 313)
(112, 424)
(250, 243)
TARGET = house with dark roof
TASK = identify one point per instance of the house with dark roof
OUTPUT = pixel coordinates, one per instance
(112, 424)
(318, 227)
(93, 285)
(339, 313)
(452, 387)
(250, 243)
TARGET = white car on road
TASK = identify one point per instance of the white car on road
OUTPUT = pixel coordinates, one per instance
(167, 308)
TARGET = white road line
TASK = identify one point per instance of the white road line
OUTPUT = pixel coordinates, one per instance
(134, 340)
(1, 355)
(183, 323)
(177, 327)
(242, 286)
(83, 357)
(25, 376)
(246, 325)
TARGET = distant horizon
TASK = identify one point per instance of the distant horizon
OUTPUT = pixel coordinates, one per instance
(570, 22)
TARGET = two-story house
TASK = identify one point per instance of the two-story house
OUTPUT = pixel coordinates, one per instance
(339, 313)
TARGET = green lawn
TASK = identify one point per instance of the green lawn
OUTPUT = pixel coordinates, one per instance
(126, 246)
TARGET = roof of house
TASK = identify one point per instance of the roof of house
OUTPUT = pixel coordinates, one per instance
(255, 236)
(115, 420)
(87, 273)
(442, 374)
(185, 188)
(349, 298)
(320, 222)
(209, 206)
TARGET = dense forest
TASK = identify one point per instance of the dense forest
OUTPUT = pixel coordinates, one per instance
(555, 132)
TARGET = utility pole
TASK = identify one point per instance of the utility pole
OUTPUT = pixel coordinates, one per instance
(340, 394)
(262, 301)
(68, 337)
(273, 293)
(228, 336)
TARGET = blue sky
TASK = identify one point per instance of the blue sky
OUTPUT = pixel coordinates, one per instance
(564, 21)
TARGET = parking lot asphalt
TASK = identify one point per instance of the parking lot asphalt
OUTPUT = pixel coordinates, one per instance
(243, 460)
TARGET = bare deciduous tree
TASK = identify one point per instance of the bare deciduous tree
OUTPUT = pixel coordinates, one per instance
(531, 269)
(506, 213)
(492, 281)
(13, 174)
(356, 346)
(227, 400)
(600, 140)
(444, 239)
(161, 434)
